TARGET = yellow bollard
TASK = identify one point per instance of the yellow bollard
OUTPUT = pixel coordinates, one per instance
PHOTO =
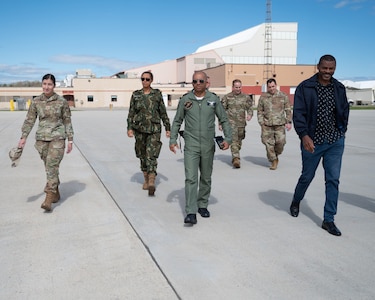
(28, 103)
(11, 105)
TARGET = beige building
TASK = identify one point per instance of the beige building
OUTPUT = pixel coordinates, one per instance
(239, 56)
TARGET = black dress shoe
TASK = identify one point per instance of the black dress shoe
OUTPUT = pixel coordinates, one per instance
(294, 209)
(191, 219)
(204, 212)
(331, 228)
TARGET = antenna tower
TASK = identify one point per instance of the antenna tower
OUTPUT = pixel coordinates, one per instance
(267, 68)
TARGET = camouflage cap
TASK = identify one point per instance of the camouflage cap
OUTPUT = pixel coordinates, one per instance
(15, 155)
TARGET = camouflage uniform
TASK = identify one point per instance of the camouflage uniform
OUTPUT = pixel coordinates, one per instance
(237, 106)
(54, 127)
(274, 111)
(144, 117)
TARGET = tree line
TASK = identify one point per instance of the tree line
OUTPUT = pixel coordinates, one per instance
(35, 83)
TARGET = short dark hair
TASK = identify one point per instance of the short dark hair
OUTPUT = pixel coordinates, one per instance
(236, 80)
(50, 76)
(148, 72)
(271, 80)
(327, 57)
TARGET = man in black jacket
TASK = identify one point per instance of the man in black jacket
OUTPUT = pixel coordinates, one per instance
(320, 118)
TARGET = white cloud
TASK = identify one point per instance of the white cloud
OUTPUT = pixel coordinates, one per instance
(23, 72)
(353, 4)
(111, 64)
(342, 4)
(101, 66)
(25, 69)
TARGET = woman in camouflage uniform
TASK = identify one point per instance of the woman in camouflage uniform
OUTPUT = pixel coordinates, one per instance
(146, 110)
(54, 127)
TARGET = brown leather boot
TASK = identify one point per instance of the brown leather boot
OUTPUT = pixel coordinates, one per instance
(236, 162)
(274, 164)
(48, 201)
(151, 184)
(145, 184)
(57, 196)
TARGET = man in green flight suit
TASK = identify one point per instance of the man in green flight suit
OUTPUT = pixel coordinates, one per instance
(198, 109)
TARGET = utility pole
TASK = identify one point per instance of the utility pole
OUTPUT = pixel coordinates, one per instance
(267, 67)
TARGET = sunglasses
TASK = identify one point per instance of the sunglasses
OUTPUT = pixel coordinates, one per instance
(147, 79)
(199, 80)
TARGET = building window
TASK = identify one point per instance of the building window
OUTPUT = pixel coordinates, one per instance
(90, 98)
(210, 60)
(198, 60)
(114, 98)
(204, 60)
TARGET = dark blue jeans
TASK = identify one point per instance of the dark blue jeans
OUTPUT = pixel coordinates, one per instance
(332, 157)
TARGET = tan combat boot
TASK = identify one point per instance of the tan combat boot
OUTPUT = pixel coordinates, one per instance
(236, 162)
(57, 196)
(48, 201)
(151, 184)
(274, 164)
(145, 184)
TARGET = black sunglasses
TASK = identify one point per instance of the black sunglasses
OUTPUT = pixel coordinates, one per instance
(199, 80)
(147, 79)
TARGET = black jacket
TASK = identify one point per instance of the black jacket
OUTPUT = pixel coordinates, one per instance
(306, 104)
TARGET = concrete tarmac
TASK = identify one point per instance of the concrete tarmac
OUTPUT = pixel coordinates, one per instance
(107, 239)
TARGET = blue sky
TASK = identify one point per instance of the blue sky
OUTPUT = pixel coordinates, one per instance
(59, 37)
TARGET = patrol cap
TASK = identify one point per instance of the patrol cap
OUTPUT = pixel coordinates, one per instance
(15, 155)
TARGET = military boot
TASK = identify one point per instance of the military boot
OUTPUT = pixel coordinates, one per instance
(48, 201)
(145, 184)
(151, 184)
(274, 164)
(236, 162)
(57, 196)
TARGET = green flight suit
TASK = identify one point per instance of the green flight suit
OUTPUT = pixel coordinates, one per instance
(199, 149)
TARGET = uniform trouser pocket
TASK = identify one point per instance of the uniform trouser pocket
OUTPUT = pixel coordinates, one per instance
(238, 134)
(51, 152)
(147, 149)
